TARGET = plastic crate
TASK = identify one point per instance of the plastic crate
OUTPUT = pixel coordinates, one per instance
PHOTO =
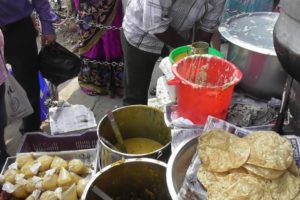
(37, 142)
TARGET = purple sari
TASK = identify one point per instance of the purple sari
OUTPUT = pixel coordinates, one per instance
(100, 45)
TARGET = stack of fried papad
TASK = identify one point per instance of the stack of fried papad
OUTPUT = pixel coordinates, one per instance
(257, 166)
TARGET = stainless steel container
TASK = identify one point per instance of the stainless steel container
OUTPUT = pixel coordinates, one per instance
(178, 164)
(134, 121)
(286, 39)
(142, 178)
(251, 49)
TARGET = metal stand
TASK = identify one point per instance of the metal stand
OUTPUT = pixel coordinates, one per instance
(284, 103)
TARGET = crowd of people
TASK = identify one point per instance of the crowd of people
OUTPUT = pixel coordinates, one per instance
(149, 30)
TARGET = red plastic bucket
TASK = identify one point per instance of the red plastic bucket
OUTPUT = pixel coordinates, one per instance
(204, 86)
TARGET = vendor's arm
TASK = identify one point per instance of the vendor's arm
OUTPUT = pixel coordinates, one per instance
(208, 24)
(47, 17)
(202, 35)
(155, 20)
(171, 38)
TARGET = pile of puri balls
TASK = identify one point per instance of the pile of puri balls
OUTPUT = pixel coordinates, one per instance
(258, 166)
(44, 178)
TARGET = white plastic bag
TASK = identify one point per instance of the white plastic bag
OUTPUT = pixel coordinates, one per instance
(166, 67)
(16, 101)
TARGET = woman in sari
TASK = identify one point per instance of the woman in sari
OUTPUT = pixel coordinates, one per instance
(100, 48)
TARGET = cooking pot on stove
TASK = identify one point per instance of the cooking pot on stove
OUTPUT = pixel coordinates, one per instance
(251, 49)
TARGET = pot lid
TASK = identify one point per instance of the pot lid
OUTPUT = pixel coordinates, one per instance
(252, 31)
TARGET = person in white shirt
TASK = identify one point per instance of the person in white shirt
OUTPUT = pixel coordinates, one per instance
(149, 25)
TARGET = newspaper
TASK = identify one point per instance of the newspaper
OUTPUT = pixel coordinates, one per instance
(68, 118)
(191, 187)
(182, 135)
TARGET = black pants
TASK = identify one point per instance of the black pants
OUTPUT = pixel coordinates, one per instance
(21, 52)
(2, 119)
(139, 66)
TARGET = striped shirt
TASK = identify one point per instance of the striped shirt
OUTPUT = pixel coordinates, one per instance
(144, 18)
(3, 72)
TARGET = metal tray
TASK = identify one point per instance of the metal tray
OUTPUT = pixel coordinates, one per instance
(252, 31)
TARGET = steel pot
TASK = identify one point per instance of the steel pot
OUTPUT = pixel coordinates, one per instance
(178, 165)
(251, 49)
(141, 178)
(134, 121)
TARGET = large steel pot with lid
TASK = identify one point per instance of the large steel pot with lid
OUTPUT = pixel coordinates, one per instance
(251, 49)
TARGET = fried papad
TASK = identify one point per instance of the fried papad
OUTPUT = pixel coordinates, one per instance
(263, 172)
(285, 187)
(238, 186)
(269, 150)
(221, 151)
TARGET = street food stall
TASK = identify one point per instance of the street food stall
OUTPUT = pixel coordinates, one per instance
(226, 129)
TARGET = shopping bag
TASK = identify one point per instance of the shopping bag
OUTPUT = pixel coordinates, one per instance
(57, 64)
(16, 100)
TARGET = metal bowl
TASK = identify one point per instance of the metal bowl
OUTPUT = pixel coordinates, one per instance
(135, 178)
(178, 165)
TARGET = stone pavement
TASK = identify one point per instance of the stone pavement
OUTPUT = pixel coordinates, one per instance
(71, 92)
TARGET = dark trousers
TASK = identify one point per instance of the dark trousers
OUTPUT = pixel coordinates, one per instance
(21, 52)
(2, 119)
(139, 66)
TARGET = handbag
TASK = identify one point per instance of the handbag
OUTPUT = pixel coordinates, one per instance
(57, 64)
(16, 101)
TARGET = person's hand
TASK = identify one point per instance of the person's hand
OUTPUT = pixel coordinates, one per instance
(48, 39)
(36, 24)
